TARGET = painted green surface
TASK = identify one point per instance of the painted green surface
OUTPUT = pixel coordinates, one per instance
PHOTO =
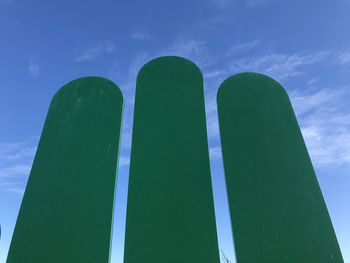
(277, 210)
(170, 213)
(67, 209)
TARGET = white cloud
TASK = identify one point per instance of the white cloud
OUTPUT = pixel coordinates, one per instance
(15, 164)
(33, 69)
(215, 153)
(16, 169)
(140, 36)
(255, 3)
(223, 4)
(124, 161)
(313, 81)
(214, 73)
(242, 47)
(280, 66)
(191, 49)
(324, 118)
(19, 154)
(307, 103)
(211, 115)
(213, 126)
(15, 151)
(344, 58)
(103, 47)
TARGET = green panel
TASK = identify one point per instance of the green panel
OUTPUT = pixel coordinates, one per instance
(277, 210)
(67, 209)
(170, 214)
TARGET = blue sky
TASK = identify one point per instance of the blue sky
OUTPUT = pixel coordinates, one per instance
(305, 45)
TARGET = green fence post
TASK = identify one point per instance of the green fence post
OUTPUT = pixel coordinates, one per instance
(67, 209)
(170, 213)
(277, 210)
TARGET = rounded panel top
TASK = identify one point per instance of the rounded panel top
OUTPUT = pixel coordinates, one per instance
(88, 85)
(250, 82)
(169, 63)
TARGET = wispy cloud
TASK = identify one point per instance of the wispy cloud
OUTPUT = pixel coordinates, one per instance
(103, 47)
(14, 170)
(243, 47)
(192, 49)
(255, 3)
(140, 36)
(324, 118)
(124, 161)
(344, 57)
(214, 73)
(222, 4)
(211, 113)
(313, 81)
(215, 153)
(33, 68)
(15, 165)
(16, 151)
(280, 66)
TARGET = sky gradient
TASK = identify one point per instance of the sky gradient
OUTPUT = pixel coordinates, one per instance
(305, 45)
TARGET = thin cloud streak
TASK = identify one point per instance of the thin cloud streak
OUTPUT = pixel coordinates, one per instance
(280, 66)
(33, 69)
(215, 153)
(140, 36)
(256, 3)
(325, 123)
(224, 4)
(15, 164)
(192, 49)
(104, 47)
(344, 58)
(243, 47)
(124, 161)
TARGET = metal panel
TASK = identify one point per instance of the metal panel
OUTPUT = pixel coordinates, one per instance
(277, 209)
(170, 213)
(67, 209)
